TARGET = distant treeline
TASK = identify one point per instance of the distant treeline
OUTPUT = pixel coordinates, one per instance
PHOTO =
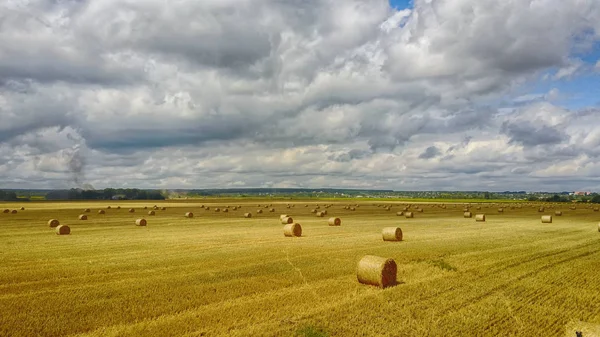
(595, 198)
(8, 196)
(105, 194)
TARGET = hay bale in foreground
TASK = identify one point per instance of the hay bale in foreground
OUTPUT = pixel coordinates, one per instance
(546, 218)
(334, 222)
(63, 230)
(292, 229)
(151, 213)
(467, 214)
(101, 211)
(140, 222)
(247, 215)
(53, 223)
(287, 220)
(399, 213)
(377, 271)
(392, 234)
(558, 213)
(409, 215)
(82, 217)
(480, 217)
(189, 215)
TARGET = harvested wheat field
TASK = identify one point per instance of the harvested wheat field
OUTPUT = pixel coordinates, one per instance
(221, 274)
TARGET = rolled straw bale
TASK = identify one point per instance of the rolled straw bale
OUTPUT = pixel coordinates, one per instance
(283, 216)
(131, 210)
(189, 215)
(140, 222)
(334, 222)
(145, 207)
(101, 211)
(392, 234)
(400, 213)
(546, 218)
(217, 210)
(63, 230)
(292, 229)
(272, 210)
(596, 209)
(82, 217)
(467, 214)
(541, 209)
(353, 209)
(14, 211)
(108, 207)
(201, 206)
(287, 220)
(558, 213)
(500, 210)
(163, 208)
(118, 207)
(6, 211)
(313, 210)
(53, 223)
(259, 211)
(465, 209)
(155, 208)
(377, 271)
(22, 208)
(480, 217)
(151, 213)
(320, 214)
(226, 210)
(207, 208)
(87, 210)
(247, 215)
(420, 210)
(409, 215)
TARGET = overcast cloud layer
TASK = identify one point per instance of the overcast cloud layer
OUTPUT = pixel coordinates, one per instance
(297, 93)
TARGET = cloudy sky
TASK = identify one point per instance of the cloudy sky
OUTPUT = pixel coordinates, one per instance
(421, 95)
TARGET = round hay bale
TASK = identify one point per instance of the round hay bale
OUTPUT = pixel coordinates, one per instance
(266, 206)
(287, 220)
(155, 208)
(541, 209)
(189, 215)
(409, 215)
(465, 209)
(477, 208)
(320, 214)
(596, 209)
(259, 211)
(334, 222)
(217, 210)
(500, 210)
(140, 222)
(22, 208)
(131, 210)
(108, 207)
(234, 208)
(272, 210)
(6, 211)
(546, 218)
(467, 214)
(226, 210)
(313, 210)
(247, 215)
(283, 216)
(207, 208)
(558, 213)
(292, 229)
(377, 271)
(101, 211)
(399, 213)
(63, 230)
(82, 217)
(420, 210)
(201, 206)
(353, 209)
(87, 210)
(480, 217)
(151, 213)
(305, 205)
(392, 234)
(14, 211)
(118, 207)
(163, 208)
(317, 207)
(145, 207)
(405, 209)
(53, 223)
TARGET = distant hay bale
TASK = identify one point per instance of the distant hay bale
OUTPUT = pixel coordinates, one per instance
(118, 207)
(478, 207)
(292, 229)
(377, 271)
(226, 210)
(409, 215)
(145, 207)
(266, 206)
(82, 217)
(163, 208)
(288, 206)
(87, 210)
(63, 230)
(399, 213)
(596, 209)
(101, 211)
(283, 216)
(131, 210)
(467, 214)
(272, 210)
(500, 210)
(22, 208)
(6, 211)
(572, 208)
(217, 210)
(189, 215)
(352, 209)
(108, 207)
(546, 218)
(599, 227)
(334, 222)
(541, 209)
(420, 210)
(287, 220)
(155, 208)
(140, 222)
(247, 215)
(201, 206)
(14, 211)
(320, 214)
(465, 209)
(557, 213)
(313, 210)
(305, 205)
(480, 217)
(151, 213)
(259, 211)
(325, 212)
(317, 207)
(234, 208)
(392, 234)
(207, 208)
(53, 223)
(405, 209)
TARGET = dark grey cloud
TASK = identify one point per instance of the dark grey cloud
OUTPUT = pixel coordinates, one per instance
(430, 152)
(529, 134)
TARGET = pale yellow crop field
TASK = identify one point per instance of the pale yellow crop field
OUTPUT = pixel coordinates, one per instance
(220, 274)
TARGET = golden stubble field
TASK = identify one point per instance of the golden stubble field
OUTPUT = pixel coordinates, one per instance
(220, 274)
